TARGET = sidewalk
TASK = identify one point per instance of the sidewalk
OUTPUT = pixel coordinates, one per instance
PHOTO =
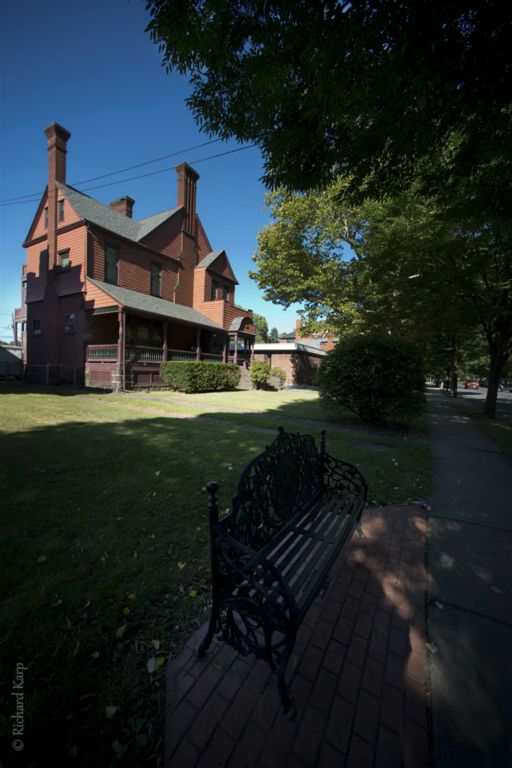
(470, 593)
(359, 666)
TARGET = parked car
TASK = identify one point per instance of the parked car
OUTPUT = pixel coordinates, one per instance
(471, 384)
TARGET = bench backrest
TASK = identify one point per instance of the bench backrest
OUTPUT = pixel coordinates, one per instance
(274, 487)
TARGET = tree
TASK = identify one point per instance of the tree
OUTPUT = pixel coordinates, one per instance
(374, 376)
(374, 90)
(273, 336)
(261, 328)
(398, 266)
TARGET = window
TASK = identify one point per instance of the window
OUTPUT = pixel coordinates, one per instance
(227, 294)
(46, 218)
(61, 210)
(64, 259)
(36, 327)
(156, 279)
(215, 287)
(69, 323)
(111, 261)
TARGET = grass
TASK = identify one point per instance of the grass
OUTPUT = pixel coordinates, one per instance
(104, 546)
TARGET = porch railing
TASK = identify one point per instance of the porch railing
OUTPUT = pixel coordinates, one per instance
(180, 354)
(152, 355)
(144, 355)
(209, 358)
(99, 352)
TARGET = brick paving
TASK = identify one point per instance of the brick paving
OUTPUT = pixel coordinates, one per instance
(359, 671)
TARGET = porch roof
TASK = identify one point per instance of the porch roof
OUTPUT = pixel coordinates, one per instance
(142, 302)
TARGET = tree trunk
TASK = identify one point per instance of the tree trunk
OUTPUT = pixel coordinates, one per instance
(453, 367)
(497, 364)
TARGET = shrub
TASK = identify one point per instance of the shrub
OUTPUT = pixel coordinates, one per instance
(260, 374)
(374, 376)
(196, 376)
(279, 373)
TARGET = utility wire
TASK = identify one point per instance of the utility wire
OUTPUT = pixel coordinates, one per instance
(166, 170)
(113, 173)
(140, 176)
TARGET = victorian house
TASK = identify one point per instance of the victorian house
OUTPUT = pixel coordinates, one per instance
(109, 297)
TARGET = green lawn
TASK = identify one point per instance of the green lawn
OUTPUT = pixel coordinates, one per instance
(104, 545)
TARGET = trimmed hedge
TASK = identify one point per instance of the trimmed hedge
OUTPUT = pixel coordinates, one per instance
(260, 374)
(199, 376)
(374, 376)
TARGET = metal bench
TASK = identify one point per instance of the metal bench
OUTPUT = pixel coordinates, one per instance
(295, 509)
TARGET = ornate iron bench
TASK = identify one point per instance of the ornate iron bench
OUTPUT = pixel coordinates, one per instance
(295, 509)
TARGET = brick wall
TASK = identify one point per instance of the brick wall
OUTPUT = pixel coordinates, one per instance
(300, 367)
(134, 266)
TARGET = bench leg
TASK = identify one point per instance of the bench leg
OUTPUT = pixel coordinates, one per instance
(289, 709)
(201, 651)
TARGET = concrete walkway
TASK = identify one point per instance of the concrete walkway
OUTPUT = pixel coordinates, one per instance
(469, 613)
(359, 667)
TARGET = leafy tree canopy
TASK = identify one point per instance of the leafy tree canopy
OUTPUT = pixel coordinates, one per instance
(397, 266)
(377, 90)
(261, 328)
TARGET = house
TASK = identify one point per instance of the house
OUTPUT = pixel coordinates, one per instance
(108, 297)
(321, 341)
(299, 361)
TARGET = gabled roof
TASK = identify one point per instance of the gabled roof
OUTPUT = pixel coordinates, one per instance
(155, 306)
(105, 217)
(211, 258)
(208, 260)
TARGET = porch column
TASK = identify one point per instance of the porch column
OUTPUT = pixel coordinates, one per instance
(235, 354)
(252, 353)
(225, 350)
(121, 349)
(164, 348)
(198, 344)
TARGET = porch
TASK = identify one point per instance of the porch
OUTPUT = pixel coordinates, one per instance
(133, 359)
(142, 364)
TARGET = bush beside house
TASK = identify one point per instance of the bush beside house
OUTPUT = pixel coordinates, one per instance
(196, 376)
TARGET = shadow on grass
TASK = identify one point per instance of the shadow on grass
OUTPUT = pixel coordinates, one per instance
(105, 564)
(104, 556)
(22, 388)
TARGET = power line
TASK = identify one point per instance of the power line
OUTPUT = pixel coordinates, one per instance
(166, 170)
(140, 176)
(113, 173)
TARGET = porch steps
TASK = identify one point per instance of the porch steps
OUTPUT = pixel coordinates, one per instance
(245, 379)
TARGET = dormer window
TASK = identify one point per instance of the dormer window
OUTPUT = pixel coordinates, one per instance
(227, 294)
(61, 210)
(46, 218)
(215, 288)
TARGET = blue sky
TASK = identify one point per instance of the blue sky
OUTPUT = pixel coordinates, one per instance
(90, 66)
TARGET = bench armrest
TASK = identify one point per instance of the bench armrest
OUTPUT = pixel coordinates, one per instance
(345, 479)
(257, 612)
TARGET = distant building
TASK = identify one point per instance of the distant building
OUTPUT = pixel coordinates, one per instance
(320, 341)
(299, 361)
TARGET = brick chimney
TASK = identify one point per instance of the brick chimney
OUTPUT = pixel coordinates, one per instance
(297, 331)
(123, 205)
(187, 180)
(57, 140)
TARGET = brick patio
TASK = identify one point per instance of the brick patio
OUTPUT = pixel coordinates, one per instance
(359, 667)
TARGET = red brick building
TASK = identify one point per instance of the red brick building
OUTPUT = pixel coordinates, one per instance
(319, 340)
(109, 297)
